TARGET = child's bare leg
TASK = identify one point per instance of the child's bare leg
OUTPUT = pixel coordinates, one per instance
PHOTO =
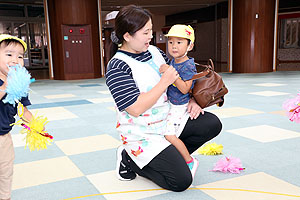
(180, 146)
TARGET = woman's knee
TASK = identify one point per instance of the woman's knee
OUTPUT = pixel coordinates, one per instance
(182, 184)
(218, 126)
(215, 124)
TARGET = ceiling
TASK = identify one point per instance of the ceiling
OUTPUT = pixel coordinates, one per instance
(39, 2)
(160, 7)
(157, 7)
(12, 8)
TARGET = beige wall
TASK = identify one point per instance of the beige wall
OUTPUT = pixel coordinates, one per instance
(204, 41)
(212, 42)
(158, 22)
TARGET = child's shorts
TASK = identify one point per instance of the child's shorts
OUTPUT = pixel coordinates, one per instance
(176, 119)
(7, 156)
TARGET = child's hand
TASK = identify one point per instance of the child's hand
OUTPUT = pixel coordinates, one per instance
(163, 68)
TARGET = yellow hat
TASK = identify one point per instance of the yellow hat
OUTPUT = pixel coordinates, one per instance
(10, 37)
(182, 31)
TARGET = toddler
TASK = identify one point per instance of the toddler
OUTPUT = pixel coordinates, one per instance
(11, 53)
(180, 41)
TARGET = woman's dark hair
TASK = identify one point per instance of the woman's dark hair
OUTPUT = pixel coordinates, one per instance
(130, 19)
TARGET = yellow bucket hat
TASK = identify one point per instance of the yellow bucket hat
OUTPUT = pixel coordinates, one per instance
(182, 31)
(10, 37)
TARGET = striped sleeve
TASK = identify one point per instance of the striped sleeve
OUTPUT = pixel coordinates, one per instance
(164, 55)
(121, 84)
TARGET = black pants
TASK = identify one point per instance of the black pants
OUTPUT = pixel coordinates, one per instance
(168, 169)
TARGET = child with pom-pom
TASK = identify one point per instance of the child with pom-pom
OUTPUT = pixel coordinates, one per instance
(11, 54)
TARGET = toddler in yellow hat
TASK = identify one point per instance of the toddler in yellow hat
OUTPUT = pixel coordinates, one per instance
(180, 41)
(11, 54)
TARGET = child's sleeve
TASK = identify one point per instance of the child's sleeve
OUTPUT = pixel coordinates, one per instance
(25, 101)
(188, 72)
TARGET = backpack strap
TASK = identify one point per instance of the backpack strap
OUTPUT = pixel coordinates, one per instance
(208, 68)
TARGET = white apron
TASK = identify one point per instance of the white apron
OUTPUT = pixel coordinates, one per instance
(143, 136)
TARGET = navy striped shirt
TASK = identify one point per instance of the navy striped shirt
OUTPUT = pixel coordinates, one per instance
(120, 81)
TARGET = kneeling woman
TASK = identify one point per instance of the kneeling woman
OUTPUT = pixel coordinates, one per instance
(139, 92)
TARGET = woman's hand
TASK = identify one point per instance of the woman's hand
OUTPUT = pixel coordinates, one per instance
(163, 68)
(169, 76)
(146, 100)
(194, 109)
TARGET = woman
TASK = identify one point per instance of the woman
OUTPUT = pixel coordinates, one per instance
(139, 91)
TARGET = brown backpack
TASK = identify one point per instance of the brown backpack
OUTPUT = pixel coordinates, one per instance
(209, 88)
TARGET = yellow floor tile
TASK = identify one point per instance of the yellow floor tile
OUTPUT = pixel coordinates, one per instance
(265, 133)
(59, 96)
(234, 112)
(101, 100)
(280, 112)
(87, 144)
(18, 140)
(55, 113)
(258, 186)
(113, 184)
(44, 171)
(104, 92)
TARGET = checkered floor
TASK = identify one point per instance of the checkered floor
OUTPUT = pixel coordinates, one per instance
(81, 161)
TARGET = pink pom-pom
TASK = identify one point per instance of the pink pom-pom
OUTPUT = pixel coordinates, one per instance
(229, 164)
(295, 115)
(292, 107)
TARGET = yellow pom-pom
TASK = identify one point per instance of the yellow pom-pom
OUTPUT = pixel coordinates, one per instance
(211, 149)
(36, 137)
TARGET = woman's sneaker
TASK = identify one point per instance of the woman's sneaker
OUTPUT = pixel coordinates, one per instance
(193, 166)
(123, 170)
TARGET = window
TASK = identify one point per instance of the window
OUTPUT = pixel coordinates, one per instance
(290, 33)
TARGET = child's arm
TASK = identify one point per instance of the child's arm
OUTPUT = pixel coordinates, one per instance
(180, 146)
(27, 116)
(183, 86)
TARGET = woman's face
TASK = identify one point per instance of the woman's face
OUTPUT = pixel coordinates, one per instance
(140, 41)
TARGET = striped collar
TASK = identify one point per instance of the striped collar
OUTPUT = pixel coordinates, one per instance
(143, 57)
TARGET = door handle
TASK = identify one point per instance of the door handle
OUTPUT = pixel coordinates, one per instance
(67, 54)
